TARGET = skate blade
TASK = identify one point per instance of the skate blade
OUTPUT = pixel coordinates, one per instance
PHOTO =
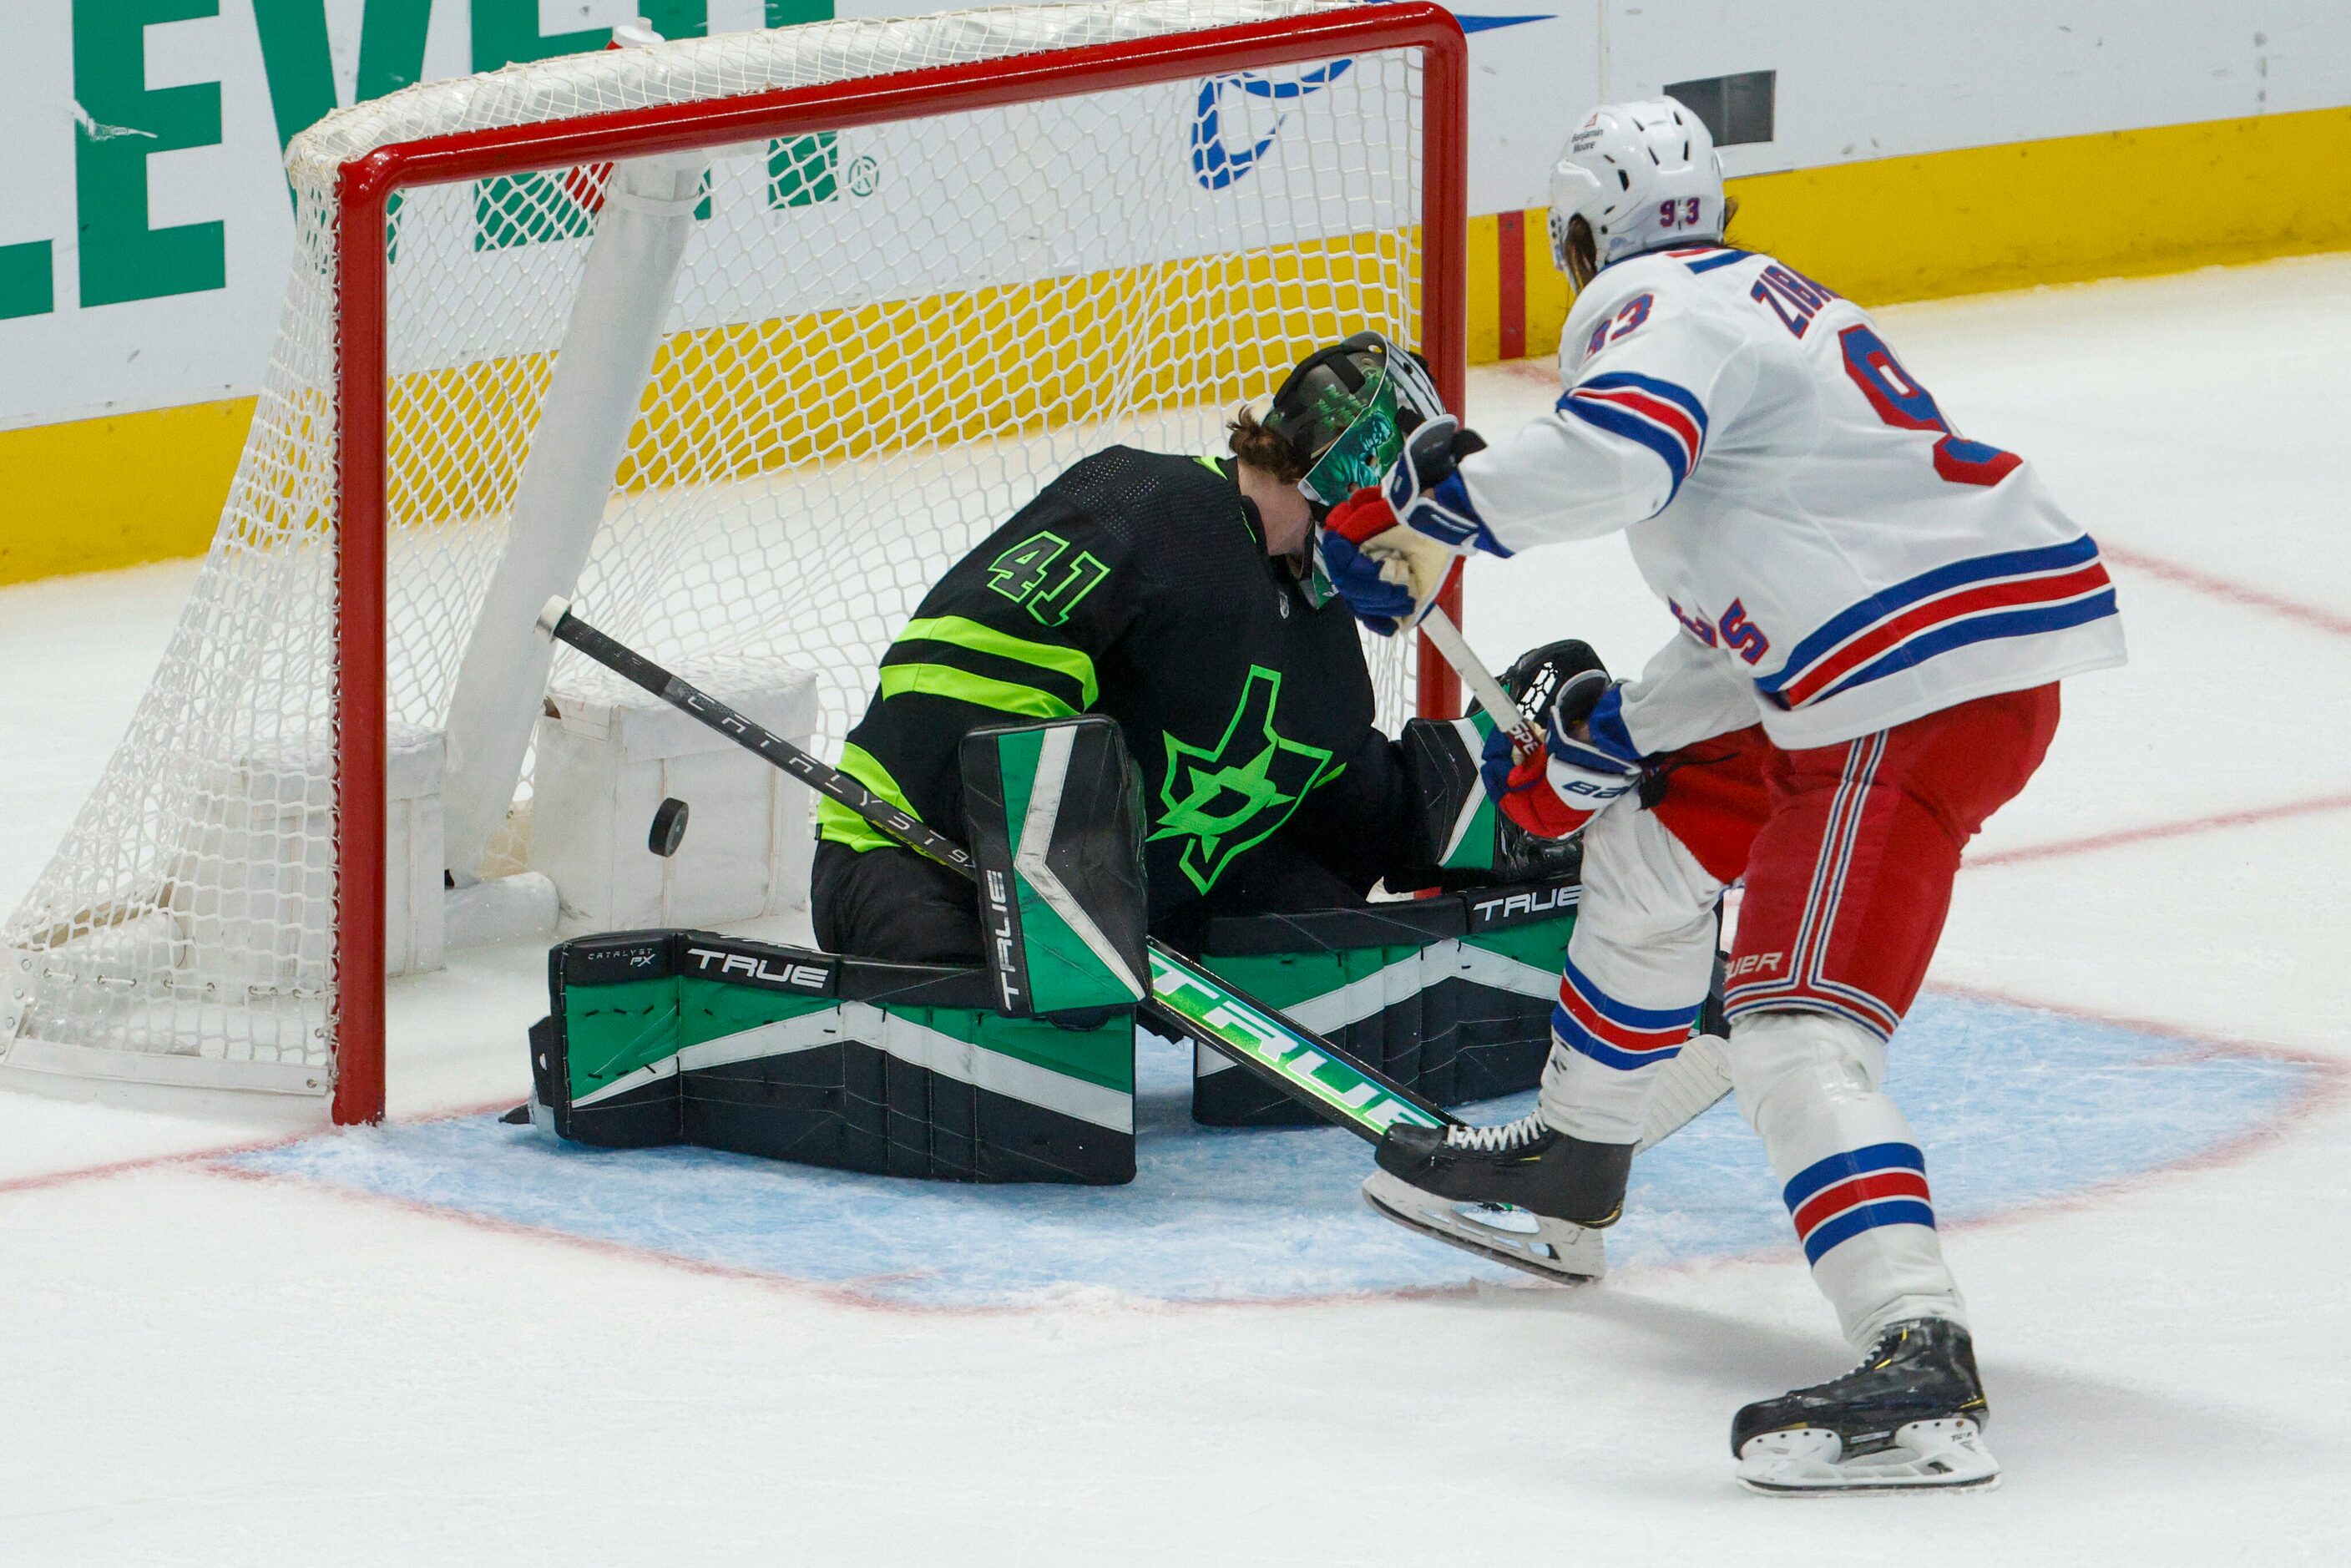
(1552, 1249)
(1940, 1456)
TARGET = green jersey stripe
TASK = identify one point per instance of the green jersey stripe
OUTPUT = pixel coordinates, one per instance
(981, 691)
(838, 823)
(963, 631)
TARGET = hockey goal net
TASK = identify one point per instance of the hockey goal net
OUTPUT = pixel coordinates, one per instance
(737, 341)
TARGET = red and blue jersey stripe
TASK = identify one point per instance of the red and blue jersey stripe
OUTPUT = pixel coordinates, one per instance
(1591, 1023)
(1836, 1199)
(1706, 257)
(2015, 593)
(1665, 418)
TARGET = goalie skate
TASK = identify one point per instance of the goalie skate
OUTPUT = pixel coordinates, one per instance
(1558, 1250)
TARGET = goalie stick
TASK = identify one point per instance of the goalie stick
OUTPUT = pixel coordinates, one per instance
(1185, 1000)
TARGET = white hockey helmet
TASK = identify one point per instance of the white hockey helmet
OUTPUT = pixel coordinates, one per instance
(1642, 175)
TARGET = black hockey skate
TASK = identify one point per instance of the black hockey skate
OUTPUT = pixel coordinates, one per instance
(1519, 1194)
(1911, 1415)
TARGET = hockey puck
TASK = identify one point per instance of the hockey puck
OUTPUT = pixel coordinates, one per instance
(669, 828)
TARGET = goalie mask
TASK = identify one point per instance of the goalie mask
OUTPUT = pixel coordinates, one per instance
(1346, 411)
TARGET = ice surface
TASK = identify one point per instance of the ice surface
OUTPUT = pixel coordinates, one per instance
(2014, 1108)
(445, 1341)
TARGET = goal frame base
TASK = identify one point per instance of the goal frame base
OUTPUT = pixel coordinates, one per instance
(28, 1053)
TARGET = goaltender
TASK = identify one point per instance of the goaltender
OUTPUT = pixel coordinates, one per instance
(1178, 596)
(1141, 709)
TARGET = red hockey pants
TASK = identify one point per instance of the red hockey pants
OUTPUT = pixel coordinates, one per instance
(1849, 851)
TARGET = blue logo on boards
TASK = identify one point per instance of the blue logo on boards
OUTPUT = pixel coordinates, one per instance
(1487, 24)
(1218, 160)
(2014, 1108)
(1216, 163)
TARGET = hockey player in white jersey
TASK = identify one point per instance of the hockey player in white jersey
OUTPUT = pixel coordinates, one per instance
(1874, 615)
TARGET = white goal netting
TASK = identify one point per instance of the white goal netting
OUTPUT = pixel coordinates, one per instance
(868, 348)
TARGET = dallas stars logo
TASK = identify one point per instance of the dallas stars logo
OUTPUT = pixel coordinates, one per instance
(1229, 800)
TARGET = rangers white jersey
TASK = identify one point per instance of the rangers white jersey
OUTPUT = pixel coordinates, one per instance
(1841, 560)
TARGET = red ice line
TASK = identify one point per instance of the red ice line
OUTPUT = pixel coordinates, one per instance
(854, 1292)
(850, 1292)
(2160, 830)
(2331, 1080)
(2240, 593)
(206, 1158)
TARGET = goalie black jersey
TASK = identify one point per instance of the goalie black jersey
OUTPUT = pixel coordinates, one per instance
(1137, 585)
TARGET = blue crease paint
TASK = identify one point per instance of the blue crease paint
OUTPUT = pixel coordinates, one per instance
(2013, 1107)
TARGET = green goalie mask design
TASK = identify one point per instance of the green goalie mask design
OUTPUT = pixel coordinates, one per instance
(1346, 411)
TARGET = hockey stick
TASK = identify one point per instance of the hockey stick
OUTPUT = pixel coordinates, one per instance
(1185, 1000)
(1446, 639)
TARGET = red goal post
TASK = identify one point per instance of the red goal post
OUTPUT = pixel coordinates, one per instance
(368, 184)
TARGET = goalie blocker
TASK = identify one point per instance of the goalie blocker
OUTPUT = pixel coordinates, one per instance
(1055, 819)
(1451, 995)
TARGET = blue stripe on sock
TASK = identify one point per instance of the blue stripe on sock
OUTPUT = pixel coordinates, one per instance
(1631, 1017)
(1852, 1163)
(1580, 1040)
(1868, 1216)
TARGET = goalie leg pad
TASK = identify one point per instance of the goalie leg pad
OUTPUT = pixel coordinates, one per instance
(1456, 817)
(681, 1037)
(1451, 995)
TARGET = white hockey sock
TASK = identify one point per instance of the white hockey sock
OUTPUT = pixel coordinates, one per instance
(1636, 973)
(1606, 1053)
(1851, 1173)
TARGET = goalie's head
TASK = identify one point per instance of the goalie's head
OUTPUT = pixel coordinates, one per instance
(1343, 413)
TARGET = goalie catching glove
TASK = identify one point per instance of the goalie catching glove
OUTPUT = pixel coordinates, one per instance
(1387, 554)
(1554, 792)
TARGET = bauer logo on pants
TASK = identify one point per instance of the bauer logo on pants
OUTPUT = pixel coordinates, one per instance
(1758, 964)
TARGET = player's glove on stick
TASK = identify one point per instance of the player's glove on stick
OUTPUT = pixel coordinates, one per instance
(1387, 575)
(1388, 555)
(1425, 488)
(1554, 792)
